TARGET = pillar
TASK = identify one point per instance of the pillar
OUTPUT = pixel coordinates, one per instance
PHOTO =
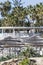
(9, 51)
(40, 50)
(2, 31)
(13, 33)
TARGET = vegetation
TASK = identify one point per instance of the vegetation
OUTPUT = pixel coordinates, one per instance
(4, 58)
(37, 14)
(14, 14)
(30, 52)
(25, 61)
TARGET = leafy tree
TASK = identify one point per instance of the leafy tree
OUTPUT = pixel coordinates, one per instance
(5, 8)
(13, 16)
(36, 13)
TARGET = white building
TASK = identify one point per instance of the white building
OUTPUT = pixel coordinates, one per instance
(23, 33)
(13, 32)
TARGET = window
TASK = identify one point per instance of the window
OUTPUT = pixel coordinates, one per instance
(0, 30)
(8, 31)
(11, 31)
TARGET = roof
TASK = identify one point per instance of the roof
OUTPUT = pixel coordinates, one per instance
(37, 41)
(10, 41)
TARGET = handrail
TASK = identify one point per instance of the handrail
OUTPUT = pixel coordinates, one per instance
(21, 27)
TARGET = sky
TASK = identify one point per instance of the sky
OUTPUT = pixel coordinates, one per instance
(28, 2)
(31, 2)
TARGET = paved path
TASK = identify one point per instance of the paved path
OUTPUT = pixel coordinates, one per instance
(39, 60)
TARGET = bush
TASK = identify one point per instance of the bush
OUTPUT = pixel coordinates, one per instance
(25, 61)
(3, 58)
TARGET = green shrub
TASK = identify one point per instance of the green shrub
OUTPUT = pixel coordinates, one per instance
(3, 58)
(25, 61)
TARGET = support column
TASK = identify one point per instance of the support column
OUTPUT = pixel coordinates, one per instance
(9, 51)
(2, 31)
(13, 33)
(36, 48)
(40, 50)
